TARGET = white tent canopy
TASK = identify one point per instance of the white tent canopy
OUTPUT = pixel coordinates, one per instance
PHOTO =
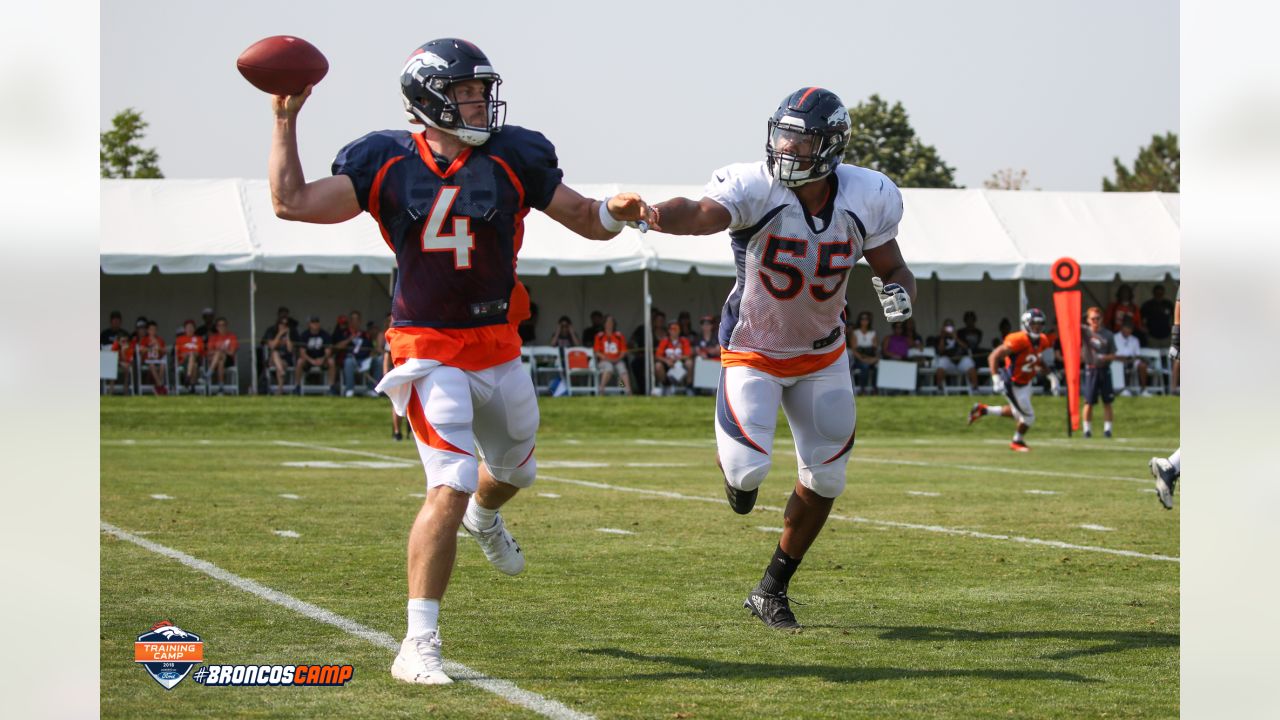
(186, 226)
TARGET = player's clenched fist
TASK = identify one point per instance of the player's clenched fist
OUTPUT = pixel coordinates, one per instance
(894, 299)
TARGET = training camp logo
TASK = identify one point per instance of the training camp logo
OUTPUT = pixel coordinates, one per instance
(167, 653)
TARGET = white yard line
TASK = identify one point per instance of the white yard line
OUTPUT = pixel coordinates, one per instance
(502, 688)
(362, 453)
(289, 496)
(161, 496)
(1099, 528)
(923, 493)
(614, 531)
(1042, 492)
(876, 523)
(763, 528)
(995, 469)
(286, 533)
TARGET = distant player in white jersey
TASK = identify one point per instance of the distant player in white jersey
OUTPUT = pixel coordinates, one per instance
(798, 221)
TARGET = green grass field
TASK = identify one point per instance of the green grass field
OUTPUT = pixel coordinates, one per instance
(912, 608)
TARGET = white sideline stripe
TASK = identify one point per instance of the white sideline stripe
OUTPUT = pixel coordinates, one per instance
(289, 496)
(879, 523)
(1079, 445)
(290, 443)
(923, 493)
(286, 533)
(993, 468)
(502, 688)
(349, 465)
(654, 465)
(614, 531)
(856, 458)
(1042, 492)
(161, 496)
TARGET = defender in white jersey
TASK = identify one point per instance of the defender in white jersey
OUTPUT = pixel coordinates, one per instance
(798, 221)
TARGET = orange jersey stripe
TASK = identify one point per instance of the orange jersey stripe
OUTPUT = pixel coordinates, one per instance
(789, 367)
(375, 201)
(428, 159)
(464, 348)
(423, 429)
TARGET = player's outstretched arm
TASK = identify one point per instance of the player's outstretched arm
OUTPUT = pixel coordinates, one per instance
(595, 219)
(887, 264)
(331, 200)
(682, 216)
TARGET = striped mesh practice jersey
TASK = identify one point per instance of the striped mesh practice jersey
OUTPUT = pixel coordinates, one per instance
(785, 313)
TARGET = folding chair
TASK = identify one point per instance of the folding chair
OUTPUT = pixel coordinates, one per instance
(546, 367)
(924, 370)
(581, 364)
(1157, 374)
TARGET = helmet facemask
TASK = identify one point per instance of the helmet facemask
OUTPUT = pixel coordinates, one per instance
(1030, 319)
(796, 156)
(427, 100)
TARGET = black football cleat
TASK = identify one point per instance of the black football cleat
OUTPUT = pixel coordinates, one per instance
(740, 500)
(773, 609)
(1166, 480)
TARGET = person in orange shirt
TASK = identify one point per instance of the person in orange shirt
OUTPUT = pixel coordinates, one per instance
(674, 361)
(151, 347)
(221, 349)
(1121, 309)
(1014, 365)
(190, 349)
(611, 353)
(124, 346)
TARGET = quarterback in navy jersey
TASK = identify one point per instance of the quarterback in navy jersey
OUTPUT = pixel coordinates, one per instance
(798, 220)
(450, 202)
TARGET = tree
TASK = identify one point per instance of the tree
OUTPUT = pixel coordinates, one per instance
(882, 139)
(1155, 169)
(1006, 179)
(119, 155)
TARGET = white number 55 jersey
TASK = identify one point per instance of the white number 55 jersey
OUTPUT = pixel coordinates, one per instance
(785, 312)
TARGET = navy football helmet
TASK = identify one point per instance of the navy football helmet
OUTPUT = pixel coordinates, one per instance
(807, 136)
(425, 81)
(1031, 318)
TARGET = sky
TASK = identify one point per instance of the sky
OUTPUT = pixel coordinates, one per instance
(665, 92)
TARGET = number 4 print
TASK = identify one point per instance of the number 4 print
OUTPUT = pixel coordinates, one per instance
(461, 241)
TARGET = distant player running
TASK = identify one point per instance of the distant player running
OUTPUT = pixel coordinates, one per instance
(798, 221)
(1013, 366)
(1166, 471)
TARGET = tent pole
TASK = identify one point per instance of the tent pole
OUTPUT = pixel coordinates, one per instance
(1022, 296)
(648, 335)
(253, 334)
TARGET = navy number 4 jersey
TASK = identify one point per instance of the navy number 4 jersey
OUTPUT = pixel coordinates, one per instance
(455, 230)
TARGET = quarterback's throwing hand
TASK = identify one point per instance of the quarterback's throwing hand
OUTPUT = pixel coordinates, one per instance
(288, 105)
(894, 299)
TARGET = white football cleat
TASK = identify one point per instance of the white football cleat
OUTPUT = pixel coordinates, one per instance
(419, 662)
(498, 545)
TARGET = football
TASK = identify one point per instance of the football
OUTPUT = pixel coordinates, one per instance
(282, 65)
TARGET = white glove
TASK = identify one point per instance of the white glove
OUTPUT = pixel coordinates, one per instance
(894, 299)
(997, 384)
